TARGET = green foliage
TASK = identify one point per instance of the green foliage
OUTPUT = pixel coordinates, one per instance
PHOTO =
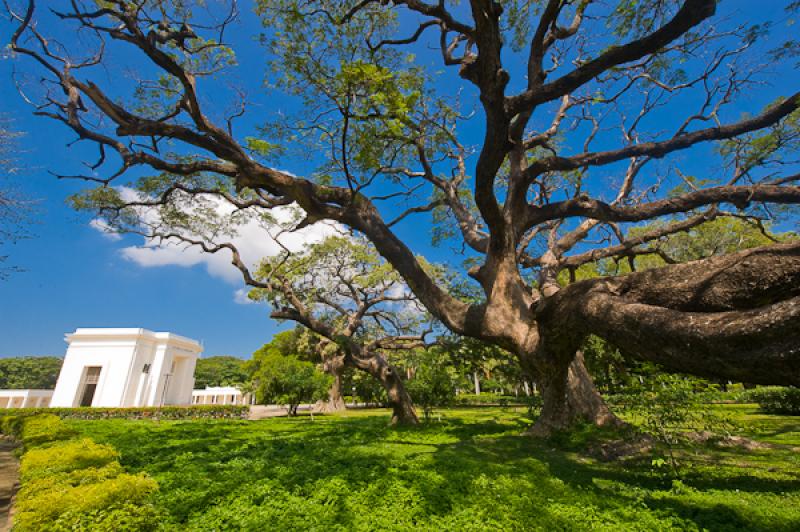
(64, 457)
(299, 342)
(220, 371)
(287, 380)
(367, 389)
(496, 368)
(473, 471)
(62, 505)
(44, 428)
(667, 406)
(433, 385)
(75, 484)
(488, 399)
(147, 412)
(21, 373)
(777, 399)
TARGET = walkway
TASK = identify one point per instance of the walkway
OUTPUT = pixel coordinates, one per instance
(9, 477)
(267, 411)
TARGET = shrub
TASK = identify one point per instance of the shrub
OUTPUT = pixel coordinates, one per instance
(64, 457)
(490, 399)
(147, 412)
(431, 387)
(667, 406)
(777, 400)
(11, 424)
(43, 428)
(64, 504)
(75, 484)
(142, 518)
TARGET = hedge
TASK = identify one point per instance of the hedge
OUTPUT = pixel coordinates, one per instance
(75, 484)
(150, 412)
(492, 399)
(777, 399)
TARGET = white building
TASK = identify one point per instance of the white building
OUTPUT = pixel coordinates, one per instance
(25, 398)
(126, 368)
(220, 395)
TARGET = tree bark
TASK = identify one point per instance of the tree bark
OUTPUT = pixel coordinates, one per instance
(570, 396)
(403, 411)
(334, 366)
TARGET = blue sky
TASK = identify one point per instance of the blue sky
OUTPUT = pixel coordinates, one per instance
(75, 276)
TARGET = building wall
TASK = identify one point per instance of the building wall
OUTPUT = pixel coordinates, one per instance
(25, 398)
(123, 355)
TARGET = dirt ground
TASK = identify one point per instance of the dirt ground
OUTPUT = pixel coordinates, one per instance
(9, 479)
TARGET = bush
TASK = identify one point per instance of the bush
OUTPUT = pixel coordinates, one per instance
(146, 412)
(75, 484)
(777, 399)
(44, 428)
(432, 386)
(64, 504)
(11, 424)
(64, 457)
(142, 518)
(490, 399)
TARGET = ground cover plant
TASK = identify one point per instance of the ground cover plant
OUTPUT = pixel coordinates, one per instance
(473, 470)
(73, 483)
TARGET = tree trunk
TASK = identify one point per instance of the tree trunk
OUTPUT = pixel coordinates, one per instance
(403, 412)
(334, 366)
(570, 396)
(477, 383)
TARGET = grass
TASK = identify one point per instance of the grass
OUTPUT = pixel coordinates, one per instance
(470, 471)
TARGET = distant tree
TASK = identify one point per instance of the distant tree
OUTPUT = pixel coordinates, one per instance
(287, 380)
(29, 372)
(433, 384)
(220, 371)
(481, 363)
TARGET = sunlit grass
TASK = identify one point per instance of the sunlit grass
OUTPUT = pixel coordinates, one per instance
(469, 469)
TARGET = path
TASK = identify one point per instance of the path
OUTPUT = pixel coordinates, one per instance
(265, 411)
(9, 478)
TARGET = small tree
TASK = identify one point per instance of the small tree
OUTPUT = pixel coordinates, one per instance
(432, 386)
(668, 405)
(287, 380)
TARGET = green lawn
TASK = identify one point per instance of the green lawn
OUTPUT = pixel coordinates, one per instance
(470, 471)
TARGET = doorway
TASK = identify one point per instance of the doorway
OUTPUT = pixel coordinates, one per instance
(90, 385)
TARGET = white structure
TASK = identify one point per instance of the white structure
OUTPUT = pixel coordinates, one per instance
(25, 398)
(126, 368)
(220, 395)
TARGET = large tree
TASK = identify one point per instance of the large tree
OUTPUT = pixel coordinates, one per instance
(341, 290)
(552, 133)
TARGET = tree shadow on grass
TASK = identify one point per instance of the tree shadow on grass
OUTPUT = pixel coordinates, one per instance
(447, 467)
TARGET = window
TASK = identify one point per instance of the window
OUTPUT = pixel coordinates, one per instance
(90, 385)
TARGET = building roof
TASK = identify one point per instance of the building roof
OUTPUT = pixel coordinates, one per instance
(132, 334)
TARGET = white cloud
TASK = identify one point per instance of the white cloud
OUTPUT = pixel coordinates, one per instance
(240, 297)
(253, 240)
(105, 229)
